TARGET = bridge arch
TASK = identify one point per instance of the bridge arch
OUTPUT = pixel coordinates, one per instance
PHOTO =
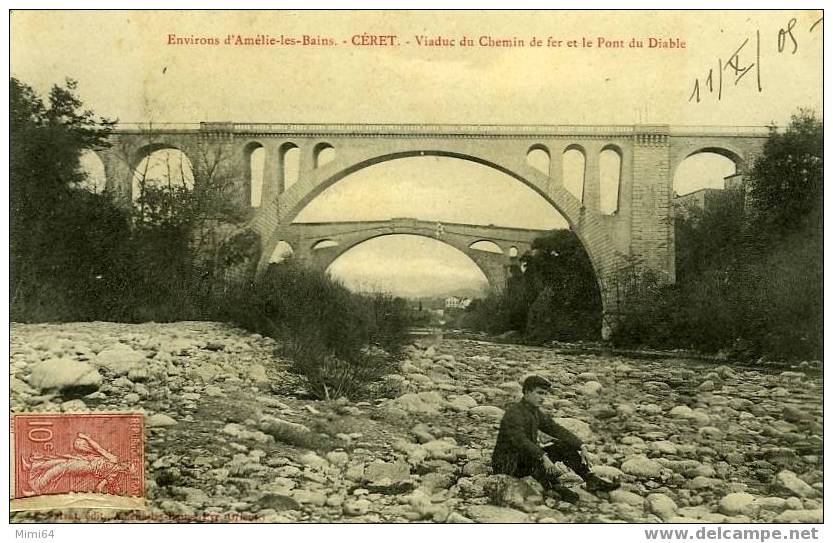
(586, 223)
(736, 155)
(489, 264)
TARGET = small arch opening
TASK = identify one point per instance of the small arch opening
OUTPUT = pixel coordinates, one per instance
(704, 170)
(95, 178)
(513, 251)
(290, 164)
(255, 162)
(165, 168)
(610, 176)
(572, 171)
(538, 157)
(283, 251)
(324, 153)
(486, 246)
(324, 243)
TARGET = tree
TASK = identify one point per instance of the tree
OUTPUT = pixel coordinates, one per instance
(61, 238)
(786, 181)
(566, 302)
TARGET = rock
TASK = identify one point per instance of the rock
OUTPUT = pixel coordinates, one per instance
(74, 406)
(462, 403)
(590, 388)
(607, 472)
(641, 466)
(661, 505)
(337, 458)
(278, 502)
(681, 412)
(428, 403)
(519, 493)
(771, 503)
(159, 420)
(706, 386)
(814, 516)
(793, 414)
(119, 359)
(432, 482)
(64, 373)
(738, 503)
(663, 447)
(488, 411)
(392, 472)
(257, 374)
(624, 496)
(578, 427)
(456, 518)
(495, 514)
(790, 482)
(213, 391)
(422, 433)
(355, 508)
(441, 449)
(309, 497)
(312, 460)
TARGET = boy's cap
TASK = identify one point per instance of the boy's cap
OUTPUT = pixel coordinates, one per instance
(536, 381)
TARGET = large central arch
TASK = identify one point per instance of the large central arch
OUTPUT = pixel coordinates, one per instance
(587, 224)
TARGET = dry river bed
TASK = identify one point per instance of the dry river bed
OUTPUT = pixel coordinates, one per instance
(230, 434)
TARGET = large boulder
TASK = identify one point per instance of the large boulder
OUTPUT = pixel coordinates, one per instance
(64, 373)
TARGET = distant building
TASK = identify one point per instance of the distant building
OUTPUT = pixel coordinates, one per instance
(706, 198)
(453, 302)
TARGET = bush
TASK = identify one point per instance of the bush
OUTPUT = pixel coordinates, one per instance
(340, 342)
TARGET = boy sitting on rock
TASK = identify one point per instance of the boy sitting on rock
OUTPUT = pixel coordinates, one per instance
(517, 452)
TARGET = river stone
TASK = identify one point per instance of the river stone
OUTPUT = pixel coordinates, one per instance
(772, 503)
(441, 449)
(738, 503)
(590, 388)
(641, 466)
(624, 496)
(495, 514)
(355, 508)
(814, 516)
(790, 482)
(309, 497)
(119, 359)
(313, 461)
(489, 411)
(159, 420)
(277, 502)
(394, 472)
(661, 505)
(337, 458)
(578, 427)
(462, 403)
(64, 373)
(427, 403)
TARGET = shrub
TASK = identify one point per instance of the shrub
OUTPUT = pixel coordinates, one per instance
(340, 342)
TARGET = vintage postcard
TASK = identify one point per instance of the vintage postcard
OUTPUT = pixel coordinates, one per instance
(417, 266)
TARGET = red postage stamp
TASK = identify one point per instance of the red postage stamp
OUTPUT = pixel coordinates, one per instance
(62, 453)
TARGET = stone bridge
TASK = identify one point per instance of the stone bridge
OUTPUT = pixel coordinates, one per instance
(319, 244)
(641, 227)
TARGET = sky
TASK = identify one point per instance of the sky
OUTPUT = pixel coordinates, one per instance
(126, 68)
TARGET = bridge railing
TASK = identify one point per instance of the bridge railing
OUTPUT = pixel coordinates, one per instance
(443, 129)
